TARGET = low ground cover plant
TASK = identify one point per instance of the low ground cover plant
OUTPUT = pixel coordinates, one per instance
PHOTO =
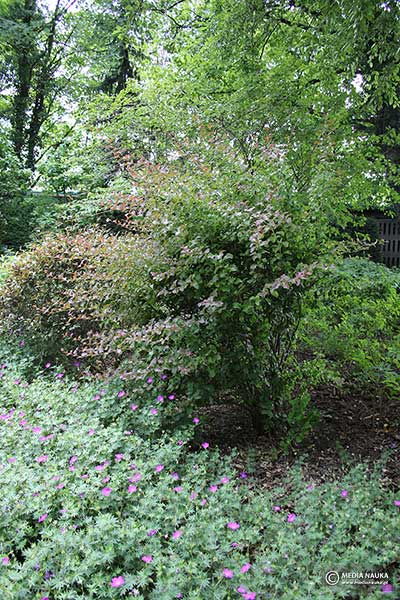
(100, 500)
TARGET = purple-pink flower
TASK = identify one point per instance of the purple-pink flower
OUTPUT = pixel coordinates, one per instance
(106, 491)
(291, 517)
(121, 394)
(233, 525)
(343, 493)
(227, 573)
(154, 411)
(42, 517)
(134, 406)
(177, 534)
(147, 558)
(132, 489)
(5, 560)
(396, 502)
(387, 588)
(205, 445)
(42, 459)
(159, 468)
(245, 568)
(117, 581)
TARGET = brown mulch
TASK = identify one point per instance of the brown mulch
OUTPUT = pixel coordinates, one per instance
(353, 428)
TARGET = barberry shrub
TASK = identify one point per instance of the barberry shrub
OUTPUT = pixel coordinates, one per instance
(69, 287)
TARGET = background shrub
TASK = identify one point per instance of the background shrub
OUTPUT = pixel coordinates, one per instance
(353, 322)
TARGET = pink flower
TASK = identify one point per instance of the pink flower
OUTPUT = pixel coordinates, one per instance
(135, 478)
(178, 489)
(196, 420)
(42, 459)
(42, 517)
(147, 558)
(245, 568)
(171, 397)
(224, 479)
(5, 560)
(343, 493)
(193, 495)
(277, 508)
(291, 517)
(73, 460)
(100, 467)
(159, 468)
(106, 491)
(149, 380)
(233, 525)
(12, 459)
(387, 588)
(117, 581)
(203, 502)
(310, 487)
(96, 397)
(152, 532)
(180, 443)
(213, 488)
(175, 476)
(160, 398)
(154, 411)
(119, 457)
(250, 596)
(60, 486)
(106, 479)
(47, 365)
(205, 445)
(134, 406)
(121, 394)
(396, 502)
(176, 535)
(227, 573)
(132, 489)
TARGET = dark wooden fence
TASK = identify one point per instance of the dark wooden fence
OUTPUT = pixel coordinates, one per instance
(389, 231)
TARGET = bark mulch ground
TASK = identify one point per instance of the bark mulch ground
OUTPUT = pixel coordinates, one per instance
(353, 428)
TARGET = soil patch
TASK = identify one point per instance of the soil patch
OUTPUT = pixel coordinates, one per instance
(353, 428)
